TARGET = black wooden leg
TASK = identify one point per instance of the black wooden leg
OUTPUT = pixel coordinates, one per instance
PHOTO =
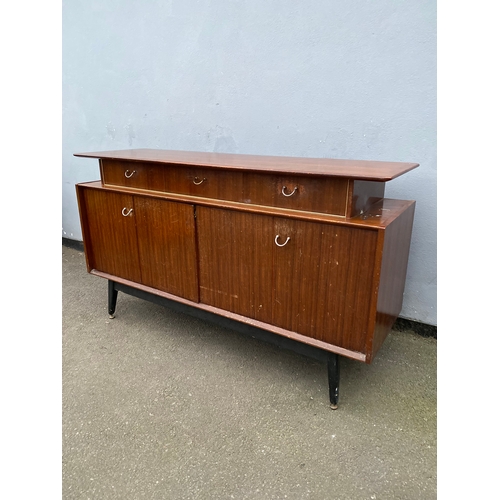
(333, 379)
(112, 296)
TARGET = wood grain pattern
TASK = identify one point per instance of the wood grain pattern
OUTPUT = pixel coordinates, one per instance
(142, 175)
(110, 238)
(315, 194)
(318, 284)
(154, 245)
(82, 211)
(352, 169)
(323, 281)
(235, 259)
(167, 247)
(393, 268)
(204, 182)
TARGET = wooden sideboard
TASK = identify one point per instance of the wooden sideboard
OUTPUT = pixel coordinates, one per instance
(305, 249)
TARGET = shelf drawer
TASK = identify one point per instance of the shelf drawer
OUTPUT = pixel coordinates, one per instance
(141, 175)
(204, 182)
(305, 193)
(314, 194)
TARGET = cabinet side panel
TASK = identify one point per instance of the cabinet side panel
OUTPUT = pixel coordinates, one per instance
(167, 248)
(235, 261)
(397, 239)
(82, 211)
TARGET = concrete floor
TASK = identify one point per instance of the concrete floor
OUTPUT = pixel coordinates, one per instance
(160, 405)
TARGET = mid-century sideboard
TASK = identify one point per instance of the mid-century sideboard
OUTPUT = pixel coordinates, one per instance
(303, 249)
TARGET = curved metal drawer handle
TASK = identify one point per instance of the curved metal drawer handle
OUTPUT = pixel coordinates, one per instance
(283, 191)
(128, 213)
(128, 175)
(200, 182)
(282, 245)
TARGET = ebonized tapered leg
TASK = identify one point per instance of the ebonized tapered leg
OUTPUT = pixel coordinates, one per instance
(112, 296)
(334, 379)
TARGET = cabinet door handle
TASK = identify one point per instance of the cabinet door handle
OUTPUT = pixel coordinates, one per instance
(197, 182)
(283, 244)
(128, 213)
(283, 191)
(129, 174)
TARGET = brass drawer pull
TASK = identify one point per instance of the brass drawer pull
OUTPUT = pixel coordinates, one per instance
(283, 244)
(129, 174)
(197, 183)
(283, 191)
(128, 213)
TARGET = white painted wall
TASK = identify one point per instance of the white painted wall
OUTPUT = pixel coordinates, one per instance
(327, 78)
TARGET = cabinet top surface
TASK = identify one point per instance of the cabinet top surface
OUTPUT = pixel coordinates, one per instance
(352, 169)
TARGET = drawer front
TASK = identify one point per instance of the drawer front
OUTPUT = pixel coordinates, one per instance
(295, 192)
(133, 174)
(204, 182)
(313, 194)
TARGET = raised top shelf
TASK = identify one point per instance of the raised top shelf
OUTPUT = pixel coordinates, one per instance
(353, 169)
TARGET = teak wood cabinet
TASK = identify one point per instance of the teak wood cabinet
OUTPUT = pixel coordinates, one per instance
(306, 249)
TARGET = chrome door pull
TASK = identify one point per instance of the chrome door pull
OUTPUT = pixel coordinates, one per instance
(128, 213)
(129, 174)
(283, 244)
(197, 183)
(283, 191)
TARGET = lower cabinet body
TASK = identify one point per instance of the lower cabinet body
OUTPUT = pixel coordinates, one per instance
(336, 286)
